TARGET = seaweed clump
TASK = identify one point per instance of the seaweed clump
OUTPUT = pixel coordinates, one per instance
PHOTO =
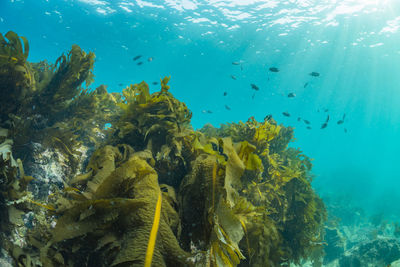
(149, 190)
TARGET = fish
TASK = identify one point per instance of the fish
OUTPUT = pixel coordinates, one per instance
(206, 111)
(291, 95)
(342, 120)
(268, 117)
(309, 127)
(314, 74)
(326, 110)
(252, 97)
(150, 59)
(305, 85)
(241, 66)
(325, 124)
(345, 130)
(209, 112)
(286, 114)
(233, 77)
(273, 69)
(225, 93)
(139, 63)
(154, 83)
(254, 87)
(137, 57)
(227, 107)
(306, 121)
(235, 63)
(120, 84)
(298, 119)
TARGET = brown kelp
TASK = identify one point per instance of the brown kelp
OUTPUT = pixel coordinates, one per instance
(147, 190)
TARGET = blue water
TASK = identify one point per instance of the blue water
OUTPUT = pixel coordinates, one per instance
(353, 44)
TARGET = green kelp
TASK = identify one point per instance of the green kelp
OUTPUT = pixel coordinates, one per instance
(109, 223)
(158, 123)
(135, 183)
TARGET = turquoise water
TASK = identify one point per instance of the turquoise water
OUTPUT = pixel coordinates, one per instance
(352, 44)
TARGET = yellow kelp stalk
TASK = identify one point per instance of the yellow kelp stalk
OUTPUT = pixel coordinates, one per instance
(153, 233)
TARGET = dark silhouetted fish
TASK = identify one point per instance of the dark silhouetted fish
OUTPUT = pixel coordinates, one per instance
(227, 107)
(120, 84)
(235, 63)
(254, 94)
(309, 127)
(254, 87)
(327, 119)
(137, 57)
(139, 63)
(298, 119)
(306, 121)
(207, 111)
(325, 124)
(326, 110)
(225, 93)
(154, 83)
(314, 74)
(273, 69)
(286, 114)
(233, 77)
(268, 117)
(291, 95)
(342, 120)
(305, 85)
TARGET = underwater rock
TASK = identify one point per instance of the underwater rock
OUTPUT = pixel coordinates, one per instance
(5, 259)
(379, 252)
(335, 244)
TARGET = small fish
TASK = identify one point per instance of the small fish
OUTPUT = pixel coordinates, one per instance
(309, 127)
(139, 63)
(273, 69)
(150, 59)
(342, 120)
(326, 110)
(233, 77)
(241, 66)
(137, 57)
(206, 111)
(286, 114)
(291, 95)
(314, 74)
(345, 130)
(254, 87)
(227, 107)
(305, 85)
(298, 119)
(225, 93)
(268, 117)
(235, 63)
(306, 121)
(324, 125)
(120, 84)
(327, 119)
(209, 112)
(252, 97)
(154, 83)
